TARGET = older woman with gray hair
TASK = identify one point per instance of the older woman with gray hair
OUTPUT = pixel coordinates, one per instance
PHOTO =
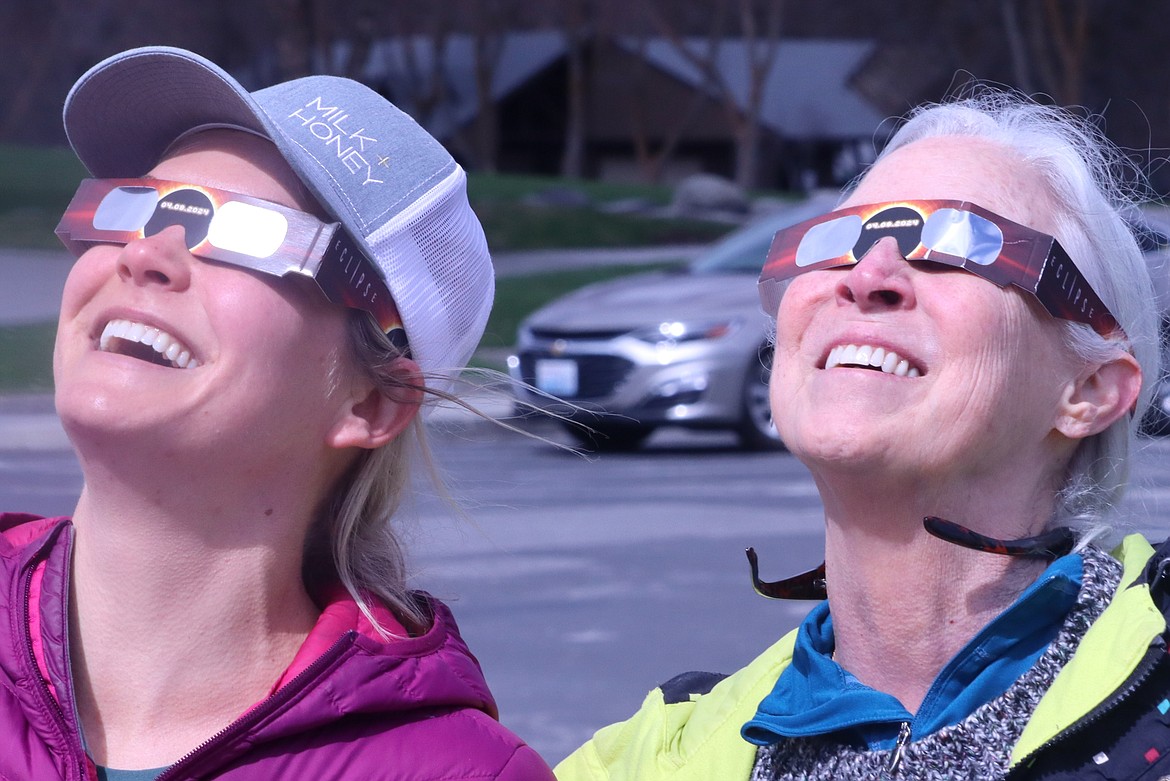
(963, 351)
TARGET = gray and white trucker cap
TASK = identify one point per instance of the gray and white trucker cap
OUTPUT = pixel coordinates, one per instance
(375, 170)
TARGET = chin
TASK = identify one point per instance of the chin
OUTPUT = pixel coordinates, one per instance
(855, 445)
(86, 411)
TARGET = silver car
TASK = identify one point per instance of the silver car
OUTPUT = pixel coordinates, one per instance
(678, 348)
(691, 348)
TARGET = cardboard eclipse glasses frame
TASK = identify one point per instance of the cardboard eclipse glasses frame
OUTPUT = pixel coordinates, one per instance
(960, 234)
(236, 229)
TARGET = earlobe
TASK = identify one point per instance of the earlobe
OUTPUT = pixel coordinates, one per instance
(1095, 401)
(373, 417)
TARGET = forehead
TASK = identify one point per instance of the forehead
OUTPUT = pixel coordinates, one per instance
(961, 169)
(238, 162)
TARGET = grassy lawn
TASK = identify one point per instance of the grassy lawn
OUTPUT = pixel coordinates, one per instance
(36, 184)
(517, 297)
(26, 364)
(517, 212)
(522, 212)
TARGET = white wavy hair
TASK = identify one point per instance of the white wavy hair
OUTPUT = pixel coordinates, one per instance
(1094, 189)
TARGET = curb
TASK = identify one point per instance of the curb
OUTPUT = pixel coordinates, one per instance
(32, 432)
(29, 424)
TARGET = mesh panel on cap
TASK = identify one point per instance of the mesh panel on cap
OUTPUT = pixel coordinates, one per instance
(437, 258)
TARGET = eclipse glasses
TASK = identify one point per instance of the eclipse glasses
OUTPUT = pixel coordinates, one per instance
(237, 229)
(952, 233)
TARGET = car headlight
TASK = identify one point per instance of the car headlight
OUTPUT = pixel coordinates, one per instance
(678, 331)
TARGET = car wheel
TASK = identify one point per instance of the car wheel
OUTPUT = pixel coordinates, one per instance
(608, 438)
(756, 429)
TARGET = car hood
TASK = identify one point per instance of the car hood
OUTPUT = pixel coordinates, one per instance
(648, 299)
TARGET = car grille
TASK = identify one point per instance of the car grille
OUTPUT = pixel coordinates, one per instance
(580, 336)
(597, 375)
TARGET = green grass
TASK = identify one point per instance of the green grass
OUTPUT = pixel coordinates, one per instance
(514, 187)
(516, 215)
(26, 363)
(519, 296)
(36, 184)
(511, 226)
(37, 176)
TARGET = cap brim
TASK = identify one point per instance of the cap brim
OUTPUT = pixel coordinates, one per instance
(123, 114)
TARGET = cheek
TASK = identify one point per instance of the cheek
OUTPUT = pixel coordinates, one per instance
(791, 369)
(299, 338)
(795, 309)
(1014, 362)
(90, 271)
(796, 315)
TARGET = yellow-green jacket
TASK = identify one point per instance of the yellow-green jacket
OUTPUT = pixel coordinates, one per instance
(1122, 657)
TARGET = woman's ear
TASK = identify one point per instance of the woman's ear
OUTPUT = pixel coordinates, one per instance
(1094, 401)
(372, 417)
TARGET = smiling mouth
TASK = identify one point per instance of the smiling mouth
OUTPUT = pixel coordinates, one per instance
(874, 358)
(146, 343)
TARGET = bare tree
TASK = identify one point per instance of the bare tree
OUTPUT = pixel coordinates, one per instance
(758, 23)
(490, 22)
(421, 82)
(576, 15)
(1049, 44)
(653, 153)
(38, 50)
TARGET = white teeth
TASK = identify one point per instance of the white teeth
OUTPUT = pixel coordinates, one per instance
(160, 341)
(888, 361)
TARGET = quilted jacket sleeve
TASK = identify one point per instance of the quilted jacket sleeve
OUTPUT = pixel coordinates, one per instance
(525, 765)
(679, 737)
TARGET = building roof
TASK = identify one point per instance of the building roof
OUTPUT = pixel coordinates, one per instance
(806, 92)
(406, 68)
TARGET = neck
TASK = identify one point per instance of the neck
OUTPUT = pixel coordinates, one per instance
(186, 605)
(904, 602)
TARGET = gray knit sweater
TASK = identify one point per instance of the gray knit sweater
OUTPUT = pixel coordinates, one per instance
(978, 747)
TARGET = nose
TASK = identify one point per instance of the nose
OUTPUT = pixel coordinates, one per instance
(161, 259)
(882, 279)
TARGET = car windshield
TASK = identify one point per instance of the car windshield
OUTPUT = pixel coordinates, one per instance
(742, 251)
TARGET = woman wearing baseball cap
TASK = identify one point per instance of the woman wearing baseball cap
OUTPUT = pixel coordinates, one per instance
(268, 286)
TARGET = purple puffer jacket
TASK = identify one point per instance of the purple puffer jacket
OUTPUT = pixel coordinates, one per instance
(363, 709)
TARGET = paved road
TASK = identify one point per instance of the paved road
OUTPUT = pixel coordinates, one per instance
(581, 583)
(32, 284)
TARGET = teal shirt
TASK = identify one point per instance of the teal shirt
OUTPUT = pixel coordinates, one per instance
(816, 696)
(108, 774)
